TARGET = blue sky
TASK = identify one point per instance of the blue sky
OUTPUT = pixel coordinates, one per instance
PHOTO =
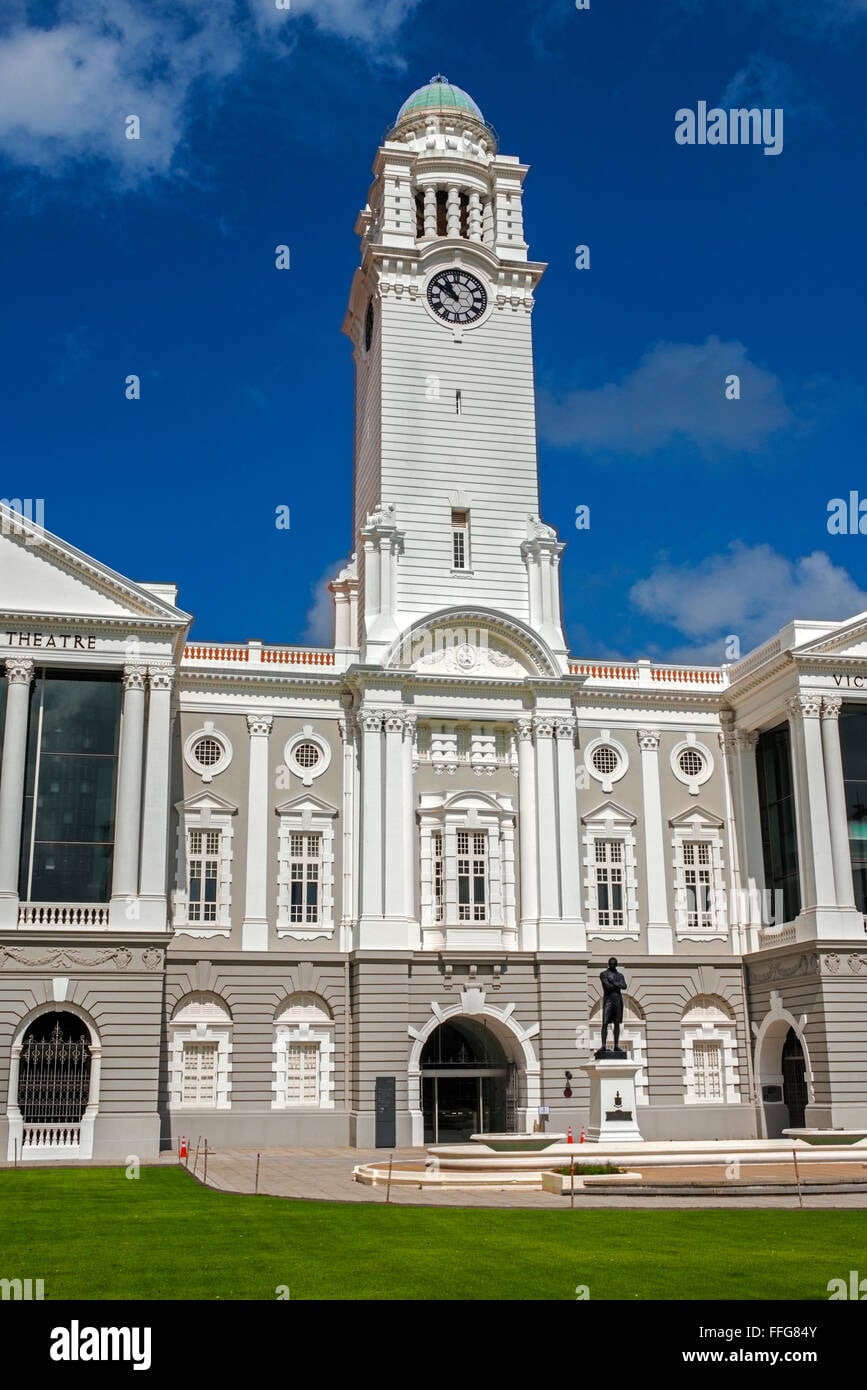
(156, 257)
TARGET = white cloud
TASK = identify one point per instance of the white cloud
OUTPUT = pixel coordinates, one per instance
(65, 91)
(677, 391)
(749, 591)
(371, 21)
(319, 623)
(766, 82)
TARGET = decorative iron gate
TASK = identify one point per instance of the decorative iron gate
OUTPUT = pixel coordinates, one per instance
(53, 1085)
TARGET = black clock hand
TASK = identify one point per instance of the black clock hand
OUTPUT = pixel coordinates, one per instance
(452, 291)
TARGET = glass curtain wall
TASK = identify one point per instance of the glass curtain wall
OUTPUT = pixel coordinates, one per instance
(67, 839)
(777, 813)
(853, 746)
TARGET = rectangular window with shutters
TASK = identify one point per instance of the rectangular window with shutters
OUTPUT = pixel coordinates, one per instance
(305, 850)
(302, 1074)
(460, 540)
(697, 870)
(203, 859)
(472, 876)
(199, 1080)
(708, 1067)
(608, 868)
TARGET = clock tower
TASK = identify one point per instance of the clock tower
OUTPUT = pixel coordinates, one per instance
(446, 492)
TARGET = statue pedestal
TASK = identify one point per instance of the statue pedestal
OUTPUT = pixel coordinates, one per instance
(612, 1101)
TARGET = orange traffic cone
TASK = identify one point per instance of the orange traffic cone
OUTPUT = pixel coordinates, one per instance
(569, 1139)
(183, 1153)
(581, 1140)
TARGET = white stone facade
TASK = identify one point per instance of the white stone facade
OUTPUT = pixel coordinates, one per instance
(443, 821)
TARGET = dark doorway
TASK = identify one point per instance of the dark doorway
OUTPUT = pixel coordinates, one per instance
(794, 1080)
(465, 1083)
(385, 1102)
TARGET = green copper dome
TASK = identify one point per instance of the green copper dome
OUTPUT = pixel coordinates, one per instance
(439, 93)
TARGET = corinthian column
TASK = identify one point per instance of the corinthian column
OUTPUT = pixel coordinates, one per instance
(527, 835)
(127, 832)
(570, 840)
(549, 895)
(836, 792)
(812, 800)
(371, 823)
(19, 675)
(156, 799)
(394, 837)
(410, 852)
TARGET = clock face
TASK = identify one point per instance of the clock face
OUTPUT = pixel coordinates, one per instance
(456, 296)
(368, 326)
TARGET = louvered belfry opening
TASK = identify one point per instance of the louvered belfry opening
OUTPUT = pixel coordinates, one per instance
(54, 1070)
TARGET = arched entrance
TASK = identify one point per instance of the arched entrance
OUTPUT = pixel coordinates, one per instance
(794, 1069)
(468, 1084)
(783, 1070)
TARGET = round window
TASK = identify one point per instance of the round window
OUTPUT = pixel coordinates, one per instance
(307, 754)
(691, 763)
(207, 752)
(605, 760)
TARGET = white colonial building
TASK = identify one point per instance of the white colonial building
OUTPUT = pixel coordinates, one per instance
(277, 895)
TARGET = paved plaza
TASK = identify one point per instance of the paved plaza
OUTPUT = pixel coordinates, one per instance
(325, 1174)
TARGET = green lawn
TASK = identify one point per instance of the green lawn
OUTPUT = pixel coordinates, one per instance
(93, 1233)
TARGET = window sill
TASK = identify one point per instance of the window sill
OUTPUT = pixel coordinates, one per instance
(185, 929)
(460, 572)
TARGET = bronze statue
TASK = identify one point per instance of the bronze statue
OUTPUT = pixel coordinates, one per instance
(613, 985)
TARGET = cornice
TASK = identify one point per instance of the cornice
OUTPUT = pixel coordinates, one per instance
(827, 661)
(119, 622)
(188, 682)
(761, 676)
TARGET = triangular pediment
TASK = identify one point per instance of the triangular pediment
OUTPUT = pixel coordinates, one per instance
(848, 639)
(609, 813)
(311, 804)
(697, 817)
(42, 577)
(207, 801)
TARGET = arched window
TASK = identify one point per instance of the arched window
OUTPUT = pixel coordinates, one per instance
(200, 1053)
(710, 1057)
(53, 1086)
(303, 1054)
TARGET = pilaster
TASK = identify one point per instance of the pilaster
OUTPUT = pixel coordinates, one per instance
(660, 938)
(254, 929)
(127, 833)
(153, 900)
(527, 836)
(19, 677)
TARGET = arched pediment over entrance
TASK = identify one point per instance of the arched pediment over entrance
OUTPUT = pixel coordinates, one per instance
(473, 643)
